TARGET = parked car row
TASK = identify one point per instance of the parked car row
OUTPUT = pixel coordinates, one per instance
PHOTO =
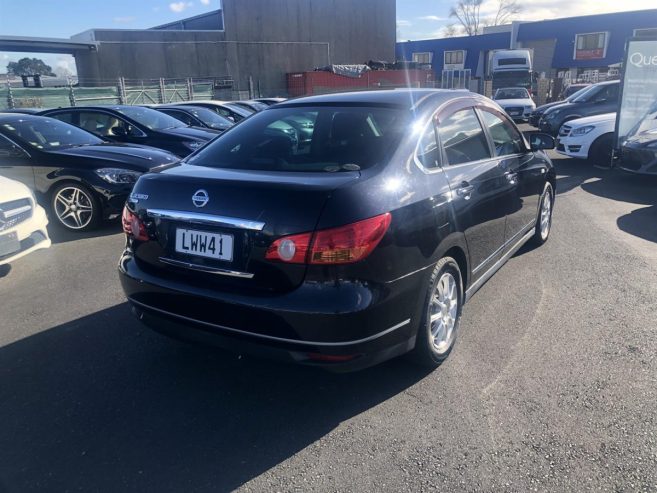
(81, 162)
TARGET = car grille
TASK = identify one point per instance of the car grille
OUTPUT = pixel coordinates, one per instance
(564, 131)
(14, 212)
(515, 110)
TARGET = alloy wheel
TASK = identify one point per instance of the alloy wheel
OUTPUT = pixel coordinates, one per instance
(74, 208)
(443, 312)
(546, 214)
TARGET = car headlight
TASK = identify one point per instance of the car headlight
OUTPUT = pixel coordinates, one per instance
(118, 175)
(582, 130)
(550, 116)
(193, 144)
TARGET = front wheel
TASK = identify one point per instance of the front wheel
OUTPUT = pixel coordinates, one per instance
(75, 207)
(544, 219)
(442, 313)
(602, 150)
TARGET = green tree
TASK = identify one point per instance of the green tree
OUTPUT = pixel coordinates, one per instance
(29, 66)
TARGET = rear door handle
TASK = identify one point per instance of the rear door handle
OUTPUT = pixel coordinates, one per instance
(465, 190)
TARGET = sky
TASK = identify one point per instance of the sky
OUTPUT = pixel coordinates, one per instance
(416, 19)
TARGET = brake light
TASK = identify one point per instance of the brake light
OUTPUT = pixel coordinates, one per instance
(342, 245)
(133, 226)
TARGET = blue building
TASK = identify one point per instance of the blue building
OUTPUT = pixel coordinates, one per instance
(560, 47)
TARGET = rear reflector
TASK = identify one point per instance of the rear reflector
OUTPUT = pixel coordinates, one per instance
(133, 226)
(342, 245)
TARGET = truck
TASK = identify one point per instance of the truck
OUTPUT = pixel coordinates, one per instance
(512, 68)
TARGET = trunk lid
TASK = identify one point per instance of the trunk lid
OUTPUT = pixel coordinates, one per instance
(249, 209)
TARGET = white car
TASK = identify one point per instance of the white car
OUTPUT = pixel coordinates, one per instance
(22, 222)
(589, 138)
(516, 101)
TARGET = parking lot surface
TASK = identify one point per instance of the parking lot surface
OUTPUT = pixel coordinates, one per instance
(552, 385)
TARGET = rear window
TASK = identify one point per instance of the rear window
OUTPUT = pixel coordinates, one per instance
(308, 139)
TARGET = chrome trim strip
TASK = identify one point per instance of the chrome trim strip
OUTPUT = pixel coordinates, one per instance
(198, 218)
(15, 212)
(205, 268)
(273, 338)
(496, 266)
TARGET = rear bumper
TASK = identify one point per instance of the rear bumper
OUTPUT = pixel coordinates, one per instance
(343, 326)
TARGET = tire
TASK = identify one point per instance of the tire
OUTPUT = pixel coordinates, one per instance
(601, 150)
(435, 340)
(544, 218)
(75, 207)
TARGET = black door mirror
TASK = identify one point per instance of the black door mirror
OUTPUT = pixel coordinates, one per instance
(539, 141)
(119, 131)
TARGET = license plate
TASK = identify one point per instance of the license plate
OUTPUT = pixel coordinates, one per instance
(204, 244)
(9, 244)
(514, 113)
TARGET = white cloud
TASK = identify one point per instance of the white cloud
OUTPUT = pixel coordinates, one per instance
(205, 2)
(124, 19)
(179, 6)
(432, 18)
(403, 23)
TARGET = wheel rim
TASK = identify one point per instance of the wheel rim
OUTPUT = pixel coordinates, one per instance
(73, 207)
(546, 214)
(443, 311)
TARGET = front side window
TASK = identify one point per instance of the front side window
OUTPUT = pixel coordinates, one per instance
(103, 124)
(463, 138)
(180, 115)
(47, 133)
(506, 139)
(331, 139)
(150, 118)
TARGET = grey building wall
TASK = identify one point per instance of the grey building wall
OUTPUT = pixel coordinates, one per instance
(263, 39)
(542, 55)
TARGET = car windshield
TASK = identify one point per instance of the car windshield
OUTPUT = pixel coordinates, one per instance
(589, 95)
(512, 93)
(151, 118)
(308, 139)
(210, 118)
(47, 133)
(240, 110)
(579, 93)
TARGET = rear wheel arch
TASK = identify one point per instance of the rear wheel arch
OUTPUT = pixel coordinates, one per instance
(459, 255)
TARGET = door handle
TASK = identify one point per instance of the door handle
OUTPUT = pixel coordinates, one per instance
(511, 177)
(465, 190)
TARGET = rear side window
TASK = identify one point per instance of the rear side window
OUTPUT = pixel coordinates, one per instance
(63, 117)
(427, 149)
(98, 123)
(308, 139)
(506, 138)
(463, 138)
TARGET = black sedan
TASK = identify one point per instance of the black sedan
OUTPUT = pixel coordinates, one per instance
(80, 178)
(135, 125)
(354, 246)
(196, 116)
(227, 109)
(639, 153)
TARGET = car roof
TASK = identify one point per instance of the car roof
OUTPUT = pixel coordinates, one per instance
(409, 99)
(9, 117)
(112, 107)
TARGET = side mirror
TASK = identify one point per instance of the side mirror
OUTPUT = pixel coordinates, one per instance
(539, 141)
(119, 131)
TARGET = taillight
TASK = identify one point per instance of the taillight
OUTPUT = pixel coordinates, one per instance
(133, 226)
(342, 245)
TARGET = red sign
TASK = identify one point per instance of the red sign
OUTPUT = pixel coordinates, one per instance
(589, 54)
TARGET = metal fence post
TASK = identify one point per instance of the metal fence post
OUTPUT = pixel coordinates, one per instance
(121, 89)
(190, 90)
(162, 91)
(71, 92)
(10, 96)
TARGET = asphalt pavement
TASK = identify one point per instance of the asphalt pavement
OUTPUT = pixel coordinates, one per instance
(552, 385)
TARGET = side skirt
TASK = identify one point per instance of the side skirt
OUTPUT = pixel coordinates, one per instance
(496, 266)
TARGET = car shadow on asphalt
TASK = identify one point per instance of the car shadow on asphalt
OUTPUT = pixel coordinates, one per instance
(59, 235)
(102, 404)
